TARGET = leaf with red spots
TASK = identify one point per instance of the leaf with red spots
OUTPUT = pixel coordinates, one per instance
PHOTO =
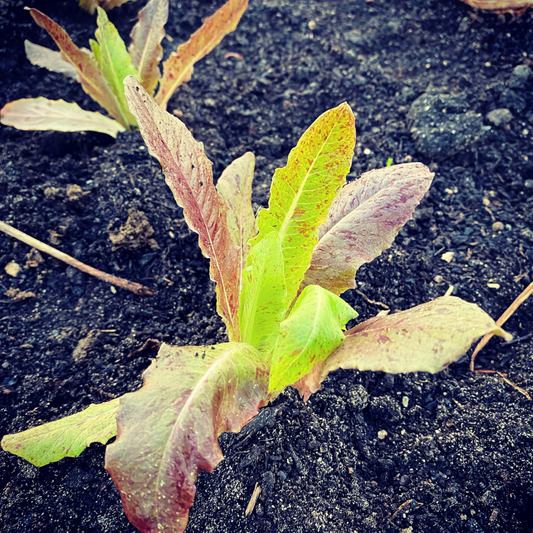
(426, 338)
(178, 68)
(189, 175)
(168, 430)
(363, 221)
(303, 191)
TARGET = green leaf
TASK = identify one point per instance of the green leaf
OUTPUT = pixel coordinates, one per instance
(426, 338)
(302, 192)
(262, 302)
(168, 430)
(114, 62)
(43, 114)
(308, 335)
(66, 437)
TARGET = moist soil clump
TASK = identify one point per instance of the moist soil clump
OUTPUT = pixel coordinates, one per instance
(369, 452)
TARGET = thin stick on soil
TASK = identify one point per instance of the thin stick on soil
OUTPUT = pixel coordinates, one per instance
(501, 321)
(136, 288)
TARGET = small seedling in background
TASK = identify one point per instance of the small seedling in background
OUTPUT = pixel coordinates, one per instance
(91, 5)
(102, 72)
(278, 280)
(390, 161)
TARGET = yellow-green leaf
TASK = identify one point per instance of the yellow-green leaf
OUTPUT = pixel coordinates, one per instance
(308, 335)
(66, 437)
(114, 62)
(262, 302)
(303, 191)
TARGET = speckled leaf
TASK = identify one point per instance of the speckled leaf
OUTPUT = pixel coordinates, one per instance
(309, 334)
(66, 437)
(426, 338)
(363, 221)
(262, 302)
(178, 68)
(145, 49)
(49, 59)
(189, 175)
(114, 62)
(89, 75)
(302, 192)
(43, 114)
(235, 187)
(168, 430)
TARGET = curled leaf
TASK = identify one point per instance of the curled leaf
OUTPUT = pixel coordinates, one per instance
(168, 430)
(66, 437)
(178, 68)
(363, 221)
(43, 114)
(235, 187)
(308, 335)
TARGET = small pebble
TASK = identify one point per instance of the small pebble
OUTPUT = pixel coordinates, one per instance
(499, 117)
(405, 402)
(497, 226)
(113, 289)
(382, 434)
(438, 279)
(311, 24)
(447, 256)
(12, 269)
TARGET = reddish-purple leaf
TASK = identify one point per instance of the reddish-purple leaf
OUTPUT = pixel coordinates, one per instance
(145, 48)
(189, 175)
(363, 221)
(89, 75)
(426, 338)
(168, 430)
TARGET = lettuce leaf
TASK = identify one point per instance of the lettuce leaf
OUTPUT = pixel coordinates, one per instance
(178, 68)
(189, 175)
(302, 192)
(309, 334)
(363, 221)
(262, 304)
(66, 437)
(168, 430)
(426, 338)
(145, 49)
(43, 114)
(114, 62)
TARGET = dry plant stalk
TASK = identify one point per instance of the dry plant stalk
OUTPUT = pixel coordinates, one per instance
(136, 288)
(501, 321)
(501, 6)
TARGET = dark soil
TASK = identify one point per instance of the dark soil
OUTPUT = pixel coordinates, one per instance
(457, 455)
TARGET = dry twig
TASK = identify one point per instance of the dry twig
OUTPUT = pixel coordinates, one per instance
(136, 288)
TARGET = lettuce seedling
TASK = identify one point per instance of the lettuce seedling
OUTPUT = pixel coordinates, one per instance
(278, 280)
(91, 5)
(102, 70)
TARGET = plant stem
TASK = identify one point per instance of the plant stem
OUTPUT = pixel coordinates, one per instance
(136, 288)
